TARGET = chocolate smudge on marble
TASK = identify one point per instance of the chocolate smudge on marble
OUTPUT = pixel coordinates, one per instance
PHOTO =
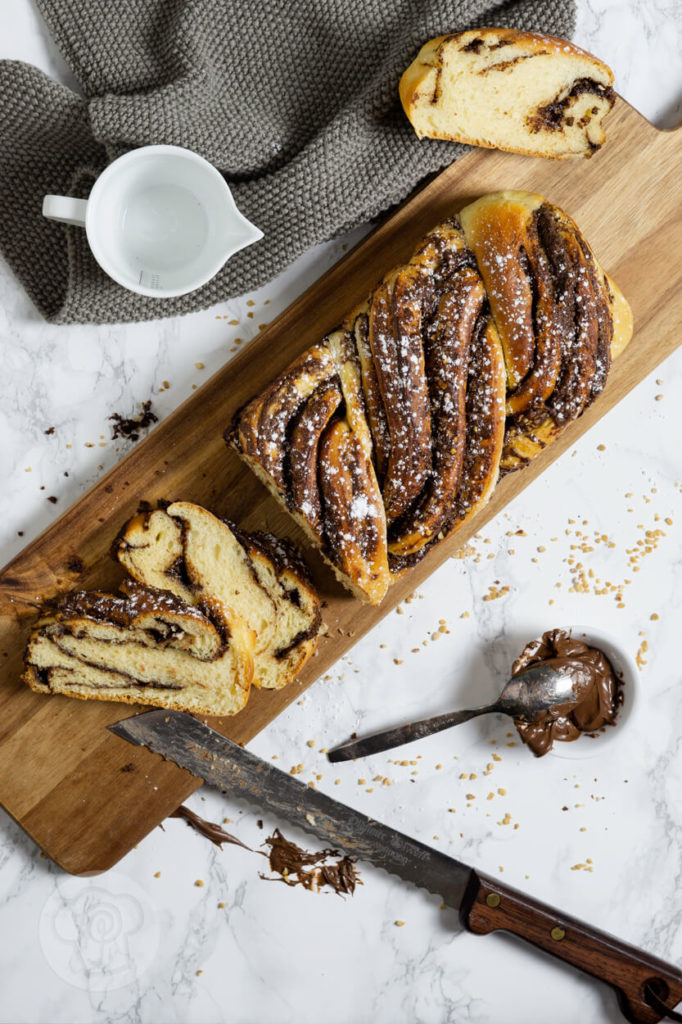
(295, 866)
(129, 427)
(299, 867)
(209, 829)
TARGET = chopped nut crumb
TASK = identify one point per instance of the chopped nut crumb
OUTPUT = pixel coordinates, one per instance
(639, 658)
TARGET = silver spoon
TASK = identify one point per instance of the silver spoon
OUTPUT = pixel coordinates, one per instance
(536, 689)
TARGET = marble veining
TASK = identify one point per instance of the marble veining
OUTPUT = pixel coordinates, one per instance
(600, 837)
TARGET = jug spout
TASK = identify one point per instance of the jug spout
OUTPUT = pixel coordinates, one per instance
(243, 233)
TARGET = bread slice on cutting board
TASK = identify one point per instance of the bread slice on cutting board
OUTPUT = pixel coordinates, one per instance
(187, 550)
(209, 610)
(517, 91)
(144, 646)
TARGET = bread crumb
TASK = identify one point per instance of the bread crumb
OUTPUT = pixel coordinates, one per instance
(199, 883)
(399, 924)
(639, 658)
(157, 874)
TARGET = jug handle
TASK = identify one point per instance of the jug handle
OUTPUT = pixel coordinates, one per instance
(65, 209)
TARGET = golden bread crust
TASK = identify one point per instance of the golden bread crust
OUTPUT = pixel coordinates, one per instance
(461, 364)
(478, 87)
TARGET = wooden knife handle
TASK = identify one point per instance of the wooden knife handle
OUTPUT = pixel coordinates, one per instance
(489, 906)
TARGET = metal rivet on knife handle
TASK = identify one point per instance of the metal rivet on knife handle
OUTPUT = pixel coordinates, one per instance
(492, 899)
(558, 933)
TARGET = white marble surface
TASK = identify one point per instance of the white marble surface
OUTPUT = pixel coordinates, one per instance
(130, 947)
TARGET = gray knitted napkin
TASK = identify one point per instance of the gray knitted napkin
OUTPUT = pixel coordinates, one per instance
(295, 101)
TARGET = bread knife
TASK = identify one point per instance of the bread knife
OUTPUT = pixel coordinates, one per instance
(646, 987)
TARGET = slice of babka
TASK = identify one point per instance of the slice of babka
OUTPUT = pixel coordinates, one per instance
(144, 646)
(187, 550)
(517, 91)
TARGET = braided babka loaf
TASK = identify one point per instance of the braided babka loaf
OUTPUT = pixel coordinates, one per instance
(390, 433)
(144, 647)
(187, 550)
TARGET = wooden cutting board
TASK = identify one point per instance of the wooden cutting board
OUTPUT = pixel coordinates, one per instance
(85, 796)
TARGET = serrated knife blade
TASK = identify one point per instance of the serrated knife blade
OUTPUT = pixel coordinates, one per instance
(227, 766)
(647, 988)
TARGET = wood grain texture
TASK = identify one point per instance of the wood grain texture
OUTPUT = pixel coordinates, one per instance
(489, 906)
(60, 770)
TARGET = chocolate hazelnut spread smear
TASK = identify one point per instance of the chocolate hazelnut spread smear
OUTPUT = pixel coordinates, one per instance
(294, 865)
(597, 692)
(311, 870)
(129, 427)
(210, 829)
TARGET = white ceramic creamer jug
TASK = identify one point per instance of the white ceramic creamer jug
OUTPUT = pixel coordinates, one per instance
(160, 220)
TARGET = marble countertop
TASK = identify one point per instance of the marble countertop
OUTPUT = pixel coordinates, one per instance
(599, 837)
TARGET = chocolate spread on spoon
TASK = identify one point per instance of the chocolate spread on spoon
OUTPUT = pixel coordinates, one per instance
(597, 692)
